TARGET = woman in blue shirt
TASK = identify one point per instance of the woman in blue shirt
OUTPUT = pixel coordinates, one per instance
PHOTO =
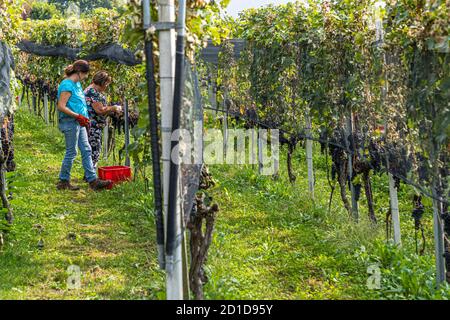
(73, 121)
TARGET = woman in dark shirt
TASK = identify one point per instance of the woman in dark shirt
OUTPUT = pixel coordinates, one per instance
(98, 110)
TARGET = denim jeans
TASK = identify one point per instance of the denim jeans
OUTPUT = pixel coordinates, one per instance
(76, 136)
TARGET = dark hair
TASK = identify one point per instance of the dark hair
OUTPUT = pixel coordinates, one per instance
(101, 78)
(81, 66)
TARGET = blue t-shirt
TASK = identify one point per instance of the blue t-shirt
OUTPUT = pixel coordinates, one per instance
(77, 101)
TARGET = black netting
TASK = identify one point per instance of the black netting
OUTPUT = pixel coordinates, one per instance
(210, 54)
(112, 52)
(191, 121)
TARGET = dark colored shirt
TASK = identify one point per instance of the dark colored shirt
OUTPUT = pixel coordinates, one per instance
(93, 96)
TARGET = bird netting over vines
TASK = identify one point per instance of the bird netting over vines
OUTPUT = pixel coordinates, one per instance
(191, 144)
(6, 65)
(113, 52)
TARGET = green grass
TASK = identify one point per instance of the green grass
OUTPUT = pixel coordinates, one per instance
(114, 234)
(271, 241)
(279, 244)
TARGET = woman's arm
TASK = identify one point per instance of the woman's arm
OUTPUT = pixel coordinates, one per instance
(62, 104)
(101, 109)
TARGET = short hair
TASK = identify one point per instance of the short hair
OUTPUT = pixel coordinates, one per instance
(101, 78)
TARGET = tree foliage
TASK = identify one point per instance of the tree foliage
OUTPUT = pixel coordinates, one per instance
(43, 11)
(328, 60)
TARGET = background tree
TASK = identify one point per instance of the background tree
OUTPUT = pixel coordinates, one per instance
(43, 11)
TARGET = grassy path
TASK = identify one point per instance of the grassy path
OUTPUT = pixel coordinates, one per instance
(278, 244)
(271, 240)
(107, 234)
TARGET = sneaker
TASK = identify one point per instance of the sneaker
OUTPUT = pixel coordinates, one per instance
(98, 184)
(66, 185)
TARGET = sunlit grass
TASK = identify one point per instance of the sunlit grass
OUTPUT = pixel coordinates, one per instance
(271, 240)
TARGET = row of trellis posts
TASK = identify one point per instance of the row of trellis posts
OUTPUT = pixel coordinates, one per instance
(393, 192)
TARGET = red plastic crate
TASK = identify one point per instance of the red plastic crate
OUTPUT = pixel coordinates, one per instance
(115, 173)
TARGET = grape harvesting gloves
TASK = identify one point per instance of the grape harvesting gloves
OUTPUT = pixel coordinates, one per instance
(83, 121)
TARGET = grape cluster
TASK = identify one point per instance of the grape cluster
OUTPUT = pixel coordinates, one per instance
(7, 132)
(118, 120)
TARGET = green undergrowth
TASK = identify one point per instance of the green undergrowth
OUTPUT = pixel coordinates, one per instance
(271, 240)
(109, 235)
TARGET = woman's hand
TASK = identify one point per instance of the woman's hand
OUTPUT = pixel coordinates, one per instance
(83, 121)
(117, 109)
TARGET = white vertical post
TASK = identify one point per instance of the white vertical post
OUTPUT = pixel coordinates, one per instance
(309, 154)
(394, 210)
(253, 146)
(174, 270)
(275, 145)
(260, 152)
(46, 115)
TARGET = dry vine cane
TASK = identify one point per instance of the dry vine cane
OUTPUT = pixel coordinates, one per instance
(201, 226)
